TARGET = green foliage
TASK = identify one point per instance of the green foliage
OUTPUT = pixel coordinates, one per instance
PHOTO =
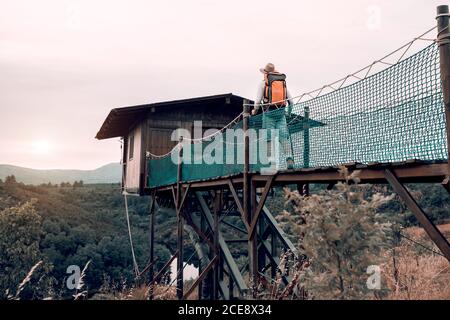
(74, 224)
(10, 180)
(20, 231)
(71, 225)
(78, 184)
(433, 198)
(65, 184)
(341, 234)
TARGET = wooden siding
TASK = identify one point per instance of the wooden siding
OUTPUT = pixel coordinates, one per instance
(161, 125)
(153, 134)
(159, 141)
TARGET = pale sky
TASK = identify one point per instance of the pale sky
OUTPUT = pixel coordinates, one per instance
(64, 63)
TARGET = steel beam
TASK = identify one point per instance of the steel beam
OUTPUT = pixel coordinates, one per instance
(430, 228)
(420, 172)
(216, 251)
(238, 202)
(163, 269)
(183, 198)
(253, 244)
(233, 226)
(200, 278)
(279, 232)
(199, 232)
(174, 196)
(234, 270)
(180, 278)
(435, 172)
(258, 209)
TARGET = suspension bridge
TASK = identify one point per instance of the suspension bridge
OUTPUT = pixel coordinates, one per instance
(391, 126)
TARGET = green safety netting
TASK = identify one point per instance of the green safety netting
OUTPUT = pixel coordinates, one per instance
(162, 171)
(394, 115)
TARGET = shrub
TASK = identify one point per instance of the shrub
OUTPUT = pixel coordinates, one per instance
(341, 234)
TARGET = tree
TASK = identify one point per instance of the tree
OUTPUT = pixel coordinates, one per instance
(76, 226)
(20, 231)
(78, 184)
(341, 235)
(11, 180)
(65, 184)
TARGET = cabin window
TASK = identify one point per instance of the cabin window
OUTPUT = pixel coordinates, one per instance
(131, 144)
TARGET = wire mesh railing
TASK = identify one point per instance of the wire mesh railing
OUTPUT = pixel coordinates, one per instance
(394, 115)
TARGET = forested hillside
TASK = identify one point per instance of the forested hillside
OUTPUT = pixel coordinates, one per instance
(71, 224)
(110, 173)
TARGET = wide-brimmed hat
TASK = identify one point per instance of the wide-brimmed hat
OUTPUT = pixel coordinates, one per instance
(270, 67)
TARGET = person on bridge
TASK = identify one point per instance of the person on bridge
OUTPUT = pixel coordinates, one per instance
(273, 95)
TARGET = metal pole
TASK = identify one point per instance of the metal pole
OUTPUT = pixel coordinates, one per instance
(231, 287)
(306, 148)
(180, 279)
(246, 194)
(306, 138)
(444, 54)
(217, 201)
(200, 267)
(273, 251)
(261, 253)
(253, 242)
(152, 241)
(124, 162)
(179, 172)
(249, 194)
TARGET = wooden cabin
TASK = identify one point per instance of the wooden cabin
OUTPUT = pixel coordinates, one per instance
(149, 127)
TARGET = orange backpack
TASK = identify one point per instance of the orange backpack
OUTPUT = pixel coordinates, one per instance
(275, 90)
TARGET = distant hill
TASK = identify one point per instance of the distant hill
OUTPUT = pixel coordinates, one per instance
(110, 173)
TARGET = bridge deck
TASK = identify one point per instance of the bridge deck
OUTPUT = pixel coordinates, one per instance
(411, 171)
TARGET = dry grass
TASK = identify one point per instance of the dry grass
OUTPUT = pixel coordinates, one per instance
(164, 293)
(410, 274)
(26, 280)
(420, 232)
(81, 294)
(160, 292)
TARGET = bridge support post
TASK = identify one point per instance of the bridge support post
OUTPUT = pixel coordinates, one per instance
(200, 262)
(152, 241)
(253, 242)
(247, 192)
(306, 144)
(178, 205)
(224, 251)
(306, 150)
(180, 279)
(444, 55)
(216, 254)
